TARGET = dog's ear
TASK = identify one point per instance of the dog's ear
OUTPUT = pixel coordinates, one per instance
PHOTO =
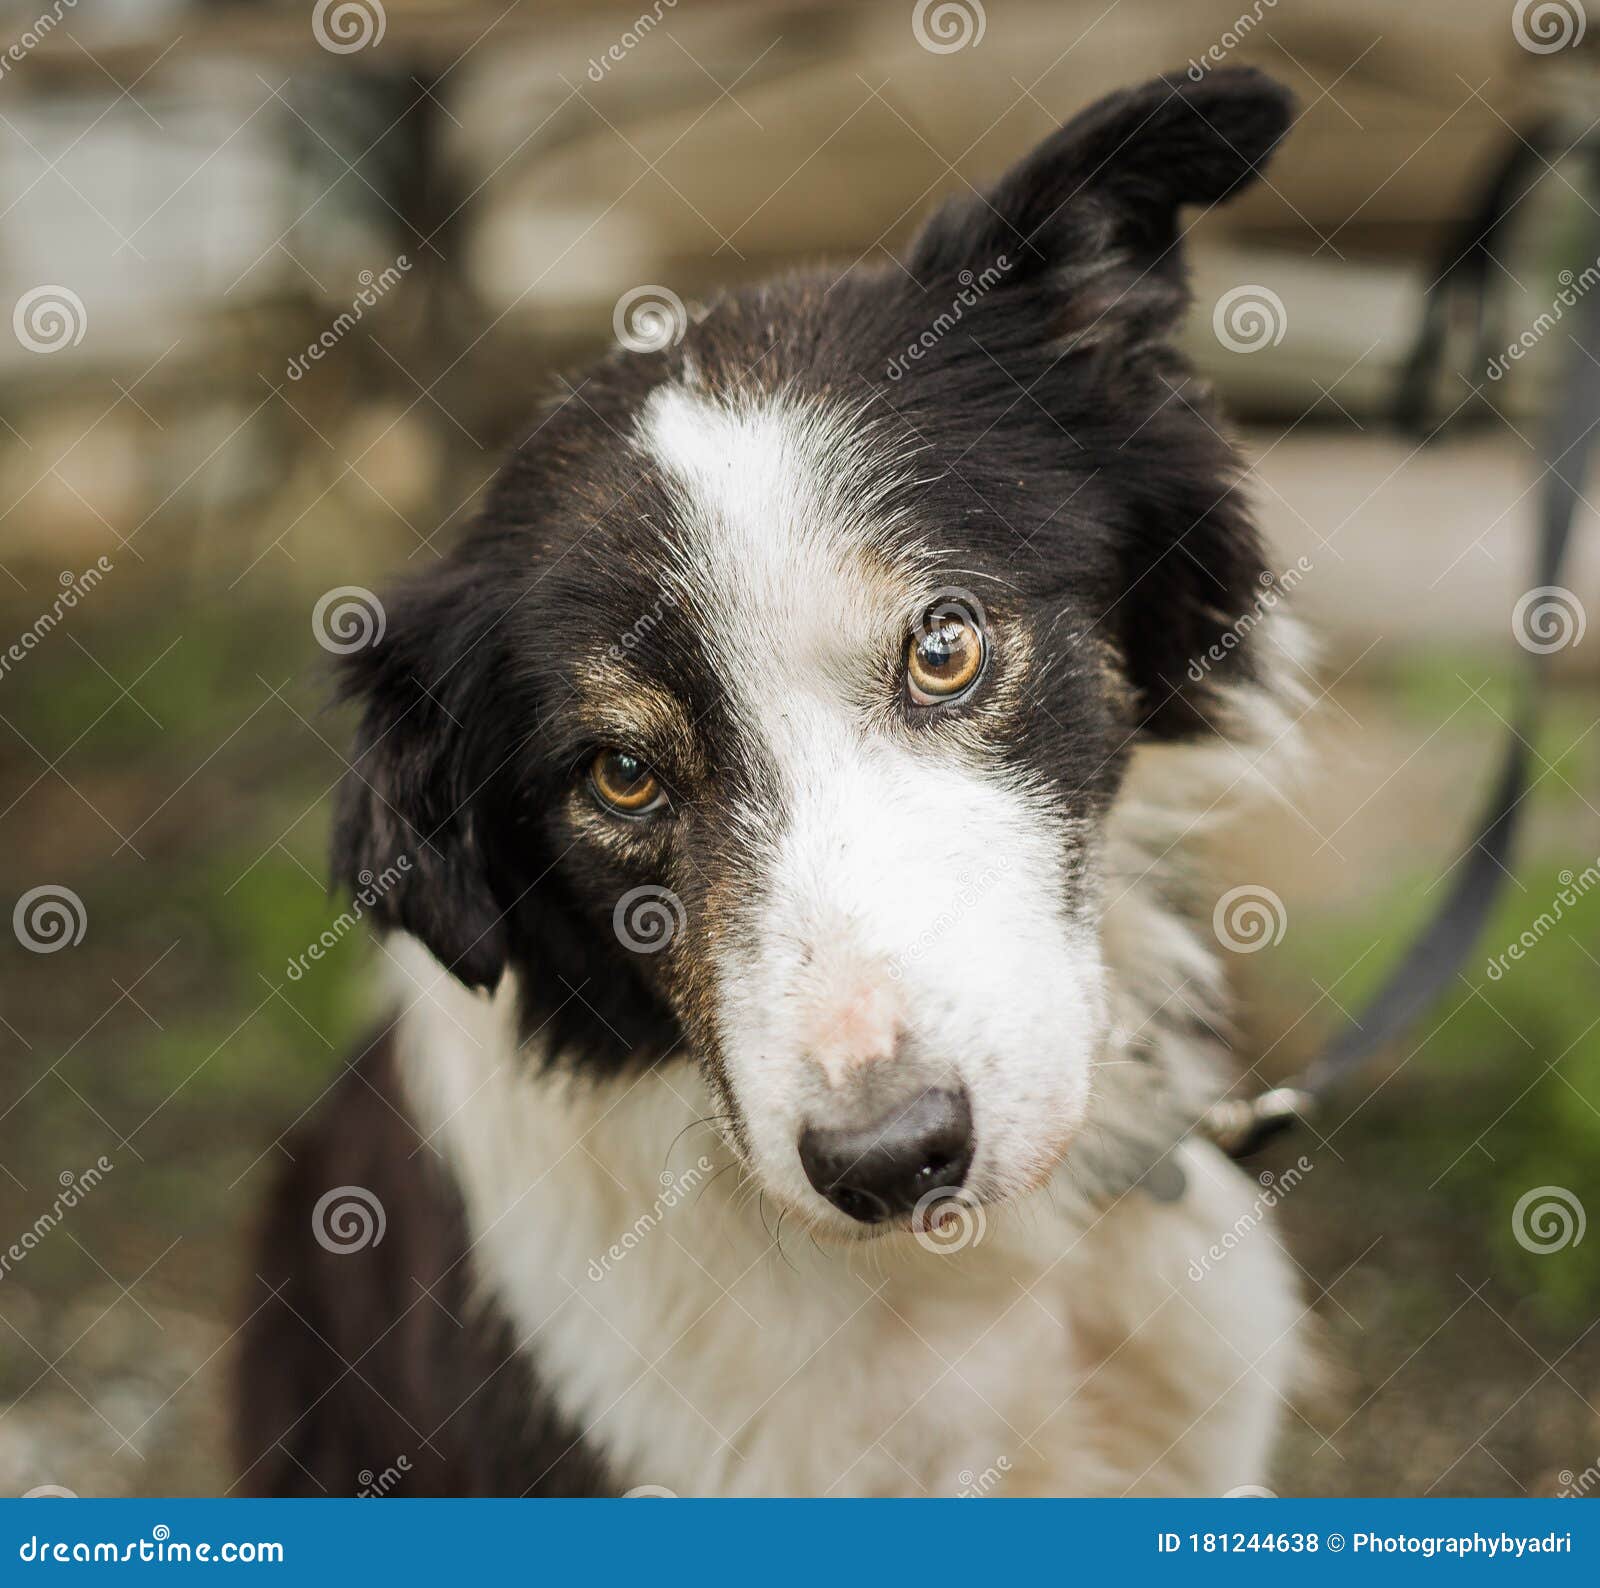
(407, 837)
(1096, 204)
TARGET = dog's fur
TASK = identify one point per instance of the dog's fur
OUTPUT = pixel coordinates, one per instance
(712, 555)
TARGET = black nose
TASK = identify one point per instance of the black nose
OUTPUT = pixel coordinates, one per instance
(874, 1172)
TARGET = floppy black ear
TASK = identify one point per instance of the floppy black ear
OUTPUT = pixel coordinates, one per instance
(1097, 202)
(408, 835)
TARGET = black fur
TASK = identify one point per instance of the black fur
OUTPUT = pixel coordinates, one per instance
(351, 1360)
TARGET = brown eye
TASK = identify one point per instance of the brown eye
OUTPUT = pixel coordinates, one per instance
(944, 658)
(625, 784)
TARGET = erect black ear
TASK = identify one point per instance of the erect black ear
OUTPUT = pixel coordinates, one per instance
(408, 836)
(1097, 202)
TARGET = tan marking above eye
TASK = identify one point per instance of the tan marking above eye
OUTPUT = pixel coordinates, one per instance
(943, 658)
(625, 783)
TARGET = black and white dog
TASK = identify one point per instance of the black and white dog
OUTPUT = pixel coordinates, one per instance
(771, 802)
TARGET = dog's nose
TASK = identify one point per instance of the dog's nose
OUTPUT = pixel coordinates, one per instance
(874, 1172)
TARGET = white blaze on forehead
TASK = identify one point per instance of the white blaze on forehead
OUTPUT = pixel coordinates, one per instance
(785, 549)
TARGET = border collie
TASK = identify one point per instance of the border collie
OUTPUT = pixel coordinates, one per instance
(799, 1025)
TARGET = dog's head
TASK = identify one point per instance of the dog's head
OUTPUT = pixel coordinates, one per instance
(770, 717)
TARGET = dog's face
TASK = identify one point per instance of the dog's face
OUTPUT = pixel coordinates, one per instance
(770, 718)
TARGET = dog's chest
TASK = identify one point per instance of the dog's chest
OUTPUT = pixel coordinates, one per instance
(726, 1371)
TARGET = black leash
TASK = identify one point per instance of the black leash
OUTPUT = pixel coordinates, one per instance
(1242, 1126)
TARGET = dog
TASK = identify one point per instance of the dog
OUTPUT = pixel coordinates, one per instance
(798, 1024)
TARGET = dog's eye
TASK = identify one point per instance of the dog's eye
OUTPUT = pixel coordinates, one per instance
(624, 783)
(944, 658)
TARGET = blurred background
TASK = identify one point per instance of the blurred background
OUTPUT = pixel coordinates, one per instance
(281, 283)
